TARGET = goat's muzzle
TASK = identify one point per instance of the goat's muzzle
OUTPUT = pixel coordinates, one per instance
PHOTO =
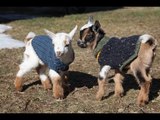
(81, 44)
(59, 54)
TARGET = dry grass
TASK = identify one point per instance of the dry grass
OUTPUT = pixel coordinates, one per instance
(83, 71)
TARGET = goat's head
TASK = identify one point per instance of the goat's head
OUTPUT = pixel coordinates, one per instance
(61, 41)
(90, 33)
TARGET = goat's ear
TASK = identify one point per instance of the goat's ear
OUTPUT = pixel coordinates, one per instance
(30, 35)
(90, 20)
(96, 25)
(49, 33)
(71, 34)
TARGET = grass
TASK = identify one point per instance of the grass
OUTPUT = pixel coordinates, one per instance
(84, 70)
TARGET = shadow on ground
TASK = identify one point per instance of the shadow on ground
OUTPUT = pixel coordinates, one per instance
(26, 86)
(155, 87)
(76, 80)
(130, 83)
(79, 79)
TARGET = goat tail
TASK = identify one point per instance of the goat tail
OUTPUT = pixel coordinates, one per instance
(29, 36)
(148, 39)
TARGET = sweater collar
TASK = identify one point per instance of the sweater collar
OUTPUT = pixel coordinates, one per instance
(100, 45)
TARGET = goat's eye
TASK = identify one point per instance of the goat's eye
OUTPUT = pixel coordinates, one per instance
(66, 45)
(89, 36)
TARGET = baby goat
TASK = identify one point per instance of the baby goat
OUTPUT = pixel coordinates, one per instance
(135, 53)
(53, 51)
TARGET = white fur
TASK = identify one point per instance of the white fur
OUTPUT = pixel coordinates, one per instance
(71, 34)
(53, 74)
(144, 38)
(86, 26)
(59, 45)
(43, 77)
(31, 59)
(89, 24)
(104, 71)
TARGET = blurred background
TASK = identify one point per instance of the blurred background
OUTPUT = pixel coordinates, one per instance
(8, 14)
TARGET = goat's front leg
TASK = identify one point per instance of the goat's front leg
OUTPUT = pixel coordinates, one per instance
(118, 79)
(101, 81)
(56, 79)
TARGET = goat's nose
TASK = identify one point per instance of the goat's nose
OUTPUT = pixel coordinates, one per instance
(81, 44)
(59, 53)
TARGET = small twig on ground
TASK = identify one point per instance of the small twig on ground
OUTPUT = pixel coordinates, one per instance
(26, 105)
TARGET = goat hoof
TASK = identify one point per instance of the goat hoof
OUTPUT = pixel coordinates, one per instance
(18, 88)
(59, 99)
(142, 103)
(118, 95)
(58, 96)
(142, 100)
(99, 97)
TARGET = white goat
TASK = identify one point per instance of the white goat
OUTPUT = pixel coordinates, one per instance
(54, 48)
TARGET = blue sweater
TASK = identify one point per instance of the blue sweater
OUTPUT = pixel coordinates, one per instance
(44, 48)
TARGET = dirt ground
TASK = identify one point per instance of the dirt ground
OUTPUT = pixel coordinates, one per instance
(83, 74)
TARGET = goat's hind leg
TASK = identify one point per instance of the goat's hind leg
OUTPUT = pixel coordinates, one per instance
(24, 67)
(44, 79)
(101, 81)
(145, 81)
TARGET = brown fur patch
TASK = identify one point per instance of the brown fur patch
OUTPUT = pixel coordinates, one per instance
(118, 79)
(38, 69)
(58, 91)
(88, 32)
(143, 94)
(85, 32)
(101, 89)
(18, 83)
(93, 44)
(146, 54)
